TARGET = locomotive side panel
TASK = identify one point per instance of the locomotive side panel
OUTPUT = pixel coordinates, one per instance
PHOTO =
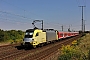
(41, 37)
(51, 35)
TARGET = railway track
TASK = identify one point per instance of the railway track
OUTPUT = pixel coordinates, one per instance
(40, 53)
(52, 50)
(7, 47)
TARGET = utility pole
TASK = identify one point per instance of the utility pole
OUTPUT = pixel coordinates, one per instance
(69, 28)
(84, 25)
(62, 27)
(42, 24)
(82, 18)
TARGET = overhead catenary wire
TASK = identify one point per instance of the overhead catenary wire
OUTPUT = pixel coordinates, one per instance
(13, 21)
(15, 15)
(55, 25)
(20, 22)
(23, 10)
(24, 17)
(18, 7)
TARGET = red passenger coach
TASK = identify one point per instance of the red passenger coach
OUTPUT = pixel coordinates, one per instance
(66, 34)
(76, 33)
(63, 35)
(69, 34)
(60, 35)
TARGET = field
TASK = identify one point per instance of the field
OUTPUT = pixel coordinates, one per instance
(84, 46)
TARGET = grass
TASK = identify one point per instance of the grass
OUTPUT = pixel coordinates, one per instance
(85, 45)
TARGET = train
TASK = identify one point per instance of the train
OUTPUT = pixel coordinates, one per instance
(38, 37)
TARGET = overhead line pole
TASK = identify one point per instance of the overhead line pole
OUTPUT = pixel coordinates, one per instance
(62, 27)
(82, 18)
(42, 24)
(84, 25)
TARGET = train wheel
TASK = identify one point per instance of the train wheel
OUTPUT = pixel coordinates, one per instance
(41, 45)
(34, 46)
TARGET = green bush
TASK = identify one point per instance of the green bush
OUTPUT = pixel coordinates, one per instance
(11, 35)
(69, 53)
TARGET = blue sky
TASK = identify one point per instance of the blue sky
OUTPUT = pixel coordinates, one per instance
(19, 14)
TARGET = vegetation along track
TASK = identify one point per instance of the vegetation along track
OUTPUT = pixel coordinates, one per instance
(38, 53)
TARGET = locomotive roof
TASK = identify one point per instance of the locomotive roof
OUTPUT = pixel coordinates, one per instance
(30, 30)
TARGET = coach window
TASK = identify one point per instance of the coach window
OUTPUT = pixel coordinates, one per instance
(61, 34)
(65, 34)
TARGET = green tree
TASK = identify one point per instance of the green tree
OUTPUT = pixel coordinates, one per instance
(11, 35)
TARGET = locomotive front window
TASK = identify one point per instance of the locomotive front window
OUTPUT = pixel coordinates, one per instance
(29, 35)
